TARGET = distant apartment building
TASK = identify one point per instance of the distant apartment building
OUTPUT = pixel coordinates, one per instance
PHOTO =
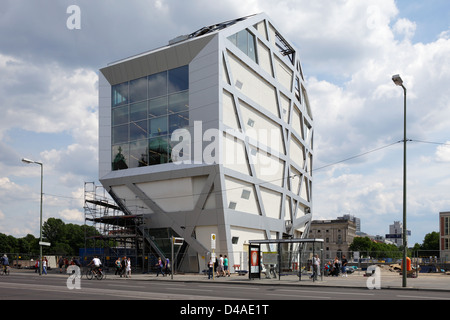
(356, 220)
(444, 228)
(337, 235)
(395, 234)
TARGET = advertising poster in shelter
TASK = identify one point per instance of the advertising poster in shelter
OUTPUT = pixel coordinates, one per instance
(255, 261)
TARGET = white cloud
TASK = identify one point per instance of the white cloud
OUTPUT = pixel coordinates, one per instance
(405, 27)
(72, 215)
(443, 153)
(46, 98)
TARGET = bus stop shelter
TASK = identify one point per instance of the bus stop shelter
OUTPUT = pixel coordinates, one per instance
(285, 256)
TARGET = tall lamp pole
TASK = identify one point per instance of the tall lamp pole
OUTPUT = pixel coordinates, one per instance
(399, 82)
(40, 219)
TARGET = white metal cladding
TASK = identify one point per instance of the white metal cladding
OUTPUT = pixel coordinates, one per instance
(261, 185)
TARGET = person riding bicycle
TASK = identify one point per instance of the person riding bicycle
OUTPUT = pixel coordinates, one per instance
(97, 264)
(5, 263)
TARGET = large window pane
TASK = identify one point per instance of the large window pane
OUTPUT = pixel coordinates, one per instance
(157, 107)
(245, 41)
(178, 102)
(251, 47)
(158, 150)
(139, 154)
(157, 84)
(120, 134)
(178, 79)
(138, 130)
(119, 94)
(138, 89)
(242, 41)
(233, 39)
(120, 157)
(158, 126)
(138, 111)
(178, 121)
(120, 115)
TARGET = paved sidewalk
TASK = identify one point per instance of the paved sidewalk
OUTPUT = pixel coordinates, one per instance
(387, 279)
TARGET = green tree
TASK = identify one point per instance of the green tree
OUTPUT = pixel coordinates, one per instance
(53, 230)
(361, 244)
(431, 241)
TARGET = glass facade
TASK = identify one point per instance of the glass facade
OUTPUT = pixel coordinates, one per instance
(245, 41)
(145, 113)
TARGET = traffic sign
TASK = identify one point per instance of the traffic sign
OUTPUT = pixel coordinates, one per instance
(178, 241)
(213, 241)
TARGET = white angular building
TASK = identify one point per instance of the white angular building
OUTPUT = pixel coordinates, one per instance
(212, 134)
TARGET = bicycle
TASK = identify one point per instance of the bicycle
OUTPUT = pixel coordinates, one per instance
(98, 274)
(4, 270)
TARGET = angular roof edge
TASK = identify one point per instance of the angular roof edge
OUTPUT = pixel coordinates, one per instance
(209, 29)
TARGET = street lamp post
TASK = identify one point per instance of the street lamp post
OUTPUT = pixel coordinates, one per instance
(40, 219)
(399, 82)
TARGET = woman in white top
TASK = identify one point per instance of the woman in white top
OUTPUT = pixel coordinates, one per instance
(128, 268)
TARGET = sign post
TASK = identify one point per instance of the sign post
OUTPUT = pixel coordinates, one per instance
(213, 248)
(175, 242)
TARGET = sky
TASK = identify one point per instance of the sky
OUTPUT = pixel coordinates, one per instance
(349, 51)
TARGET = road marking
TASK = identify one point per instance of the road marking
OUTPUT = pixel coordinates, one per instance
(228, 287)
(124, 286)
(422, 297)
(186, 289)
(298, 296)
(327, 292)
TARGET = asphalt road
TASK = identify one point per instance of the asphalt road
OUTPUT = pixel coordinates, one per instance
(30, 286)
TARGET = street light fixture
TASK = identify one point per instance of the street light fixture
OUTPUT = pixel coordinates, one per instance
(25, 160)
(399, 82)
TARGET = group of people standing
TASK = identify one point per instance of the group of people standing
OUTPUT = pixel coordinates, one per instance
(44, 265)
(123, 267)
(331, 268)
(220, 265)
(65, 263)
(336, 266)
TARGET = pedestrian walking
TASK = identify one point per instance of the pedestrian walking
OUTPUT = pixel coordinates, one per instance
(123, 266)
(337, 266)
(315, 267)
(44, 265)
(225, 266)
(60, 264)
(129, 268)
(167, 266)
(344, 266)
(117, 265)
(159, 267)
(210, 268)
(220, 267)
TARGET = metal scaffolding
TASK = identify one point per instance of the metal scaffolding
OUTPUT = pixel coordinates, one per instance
(119, 230)
(115, 229)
